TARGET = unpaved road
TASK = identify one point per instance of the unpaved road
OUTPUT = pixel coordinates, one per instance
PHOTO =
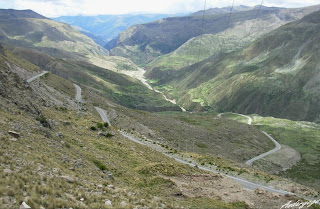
(37, 76)
(78, 93)
(244, 183)
(103, 115)
(277, 148)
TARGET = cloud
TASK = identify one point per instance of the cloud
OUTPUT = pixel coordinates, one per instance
(53, 8)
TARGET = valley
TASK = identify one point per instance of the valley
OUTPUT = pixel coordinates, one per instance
(165, 115)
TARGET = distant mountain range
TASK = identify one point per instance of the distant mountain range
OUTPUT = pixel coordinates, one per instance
(276, 75)
(143, 43)
(108, 27)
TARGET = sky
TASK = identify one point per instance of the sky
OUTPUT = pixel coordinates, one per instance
(55, 8)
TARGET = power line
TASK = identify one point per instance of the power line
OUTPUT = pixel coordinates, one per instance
(202, 28)
(226, 29)
(236, 66)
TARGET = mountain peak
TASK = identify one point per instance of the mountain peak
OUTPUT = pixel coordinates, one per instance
(12, 13)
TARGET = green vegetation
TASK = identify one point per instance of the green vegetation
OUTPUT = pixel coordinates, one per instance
(93, 128)
(54, 38)
(99, 164)
(304, 138)
(275, 75)
(143, 43)
(43, 120)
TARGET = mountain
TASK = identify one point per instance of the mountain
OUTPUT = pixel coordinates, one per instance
(143, 43)
(116, 87)
(61, 49)
(59, 154)
(29, 29)
(108, 27)
(275, 75)
(13, 14)
(215, 11)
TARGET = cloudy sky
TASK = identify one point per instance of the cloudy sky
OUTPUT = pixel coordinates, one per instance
(55, 8)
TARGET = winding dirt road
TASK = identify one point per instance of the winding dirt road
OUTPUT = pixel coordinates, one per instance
(37, 76)
(277, 148)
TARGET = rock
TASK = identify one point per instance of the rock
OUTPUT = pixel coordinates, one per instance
(156, 199)
(24, 206)
(108, 202)
(100, 134)
(7, 171)
(100, 185)
(81, 199)
(78, 163)
(123, 204)
(110, 186)
(66, 123)
(249, 204)
(275, 196)
(60, 135)
(260, 191)
(14, 134)
(13, 139)
(110, 176)
(68, 179)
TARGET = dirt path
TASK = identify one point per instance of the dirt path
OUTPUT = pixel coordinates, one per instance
(277, 148)
(37, 76)
(78, 93)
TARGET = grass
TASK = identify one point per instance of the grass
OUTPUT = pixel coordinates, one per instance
(134, 171)
(304, 138)
(99, 165)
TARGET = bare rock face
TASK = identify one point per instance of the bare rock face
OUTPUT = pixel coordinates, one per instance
(68, 179)
(24, 206)
(14, 134)
(7, 171)
(108, 202)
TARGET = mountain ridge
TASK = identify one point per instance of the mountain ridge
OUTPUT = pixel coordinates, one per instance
(143, 43)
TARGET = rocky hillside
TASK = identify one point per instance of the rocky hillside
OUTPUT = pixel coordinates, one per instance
(58, 154)
(116, 87)
(275, 75)
(142, 43)
(29, 29)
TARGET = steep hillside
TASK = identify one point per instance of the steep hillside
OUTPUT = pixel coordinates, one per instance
(276, 75)
(143, 43)
(28, 29)
(58, 157)
(118, 88)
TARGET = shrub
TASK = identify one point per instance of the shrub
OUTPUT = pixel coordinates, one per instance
(43, 120)
(99, 165)
(109, 135)
(93, 128)
(100, 125)
(106, 124)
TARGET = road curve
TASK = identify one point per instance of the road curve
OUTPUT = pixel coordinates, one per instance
(277, 148)
(244, 183)
(78, 93)
(37, 76)
(249, 118)
(103, 115)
